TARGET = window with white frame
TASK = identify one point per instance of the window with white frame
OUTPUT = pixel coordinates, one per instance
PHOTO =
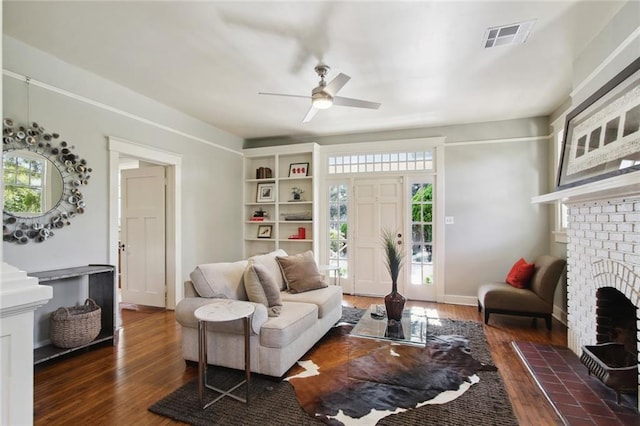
(338, 215)
(380, 162)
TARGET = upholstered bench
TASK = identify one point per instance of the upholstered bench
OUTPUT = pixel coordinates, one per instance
(536, 300)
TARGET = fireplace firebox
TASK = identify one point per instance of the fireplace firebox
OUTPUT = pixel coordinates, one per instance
(613, 360)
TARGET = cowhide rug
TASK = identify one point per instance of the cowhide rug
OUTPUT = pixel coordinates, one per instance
(366, 379)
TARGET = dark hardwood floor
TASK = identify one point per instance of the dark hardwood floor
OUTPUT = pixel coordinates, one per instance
(115, 385)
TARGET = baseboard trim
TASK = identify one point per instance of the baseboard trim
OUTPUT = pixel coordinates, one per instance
(460, 300)
(559, 314)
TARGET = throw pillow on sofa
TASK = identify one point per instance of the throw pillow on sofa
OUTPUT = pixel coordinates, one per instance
(221, 280)
(269, 261)
(520, 274)
(262, 288)
(300, 272)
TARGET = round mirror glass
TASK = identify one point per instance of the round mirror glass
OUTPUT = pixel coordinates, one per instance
(33, 184)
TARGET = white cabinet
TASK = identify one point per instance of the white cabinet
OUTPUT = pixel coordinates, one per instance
(274, 216)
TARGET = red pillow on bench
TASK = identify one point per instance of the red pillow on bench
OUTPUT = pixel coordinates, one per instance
(520, 274)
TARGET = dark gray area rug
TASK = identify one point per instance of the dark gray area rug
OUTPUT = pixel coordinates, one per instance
(275, 402)
(351, 315)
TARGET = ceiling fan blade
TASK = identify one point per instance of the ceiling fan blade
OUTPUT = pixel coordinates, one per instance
(336, 84)
(312, 111)
(357, 103)
(284, 94)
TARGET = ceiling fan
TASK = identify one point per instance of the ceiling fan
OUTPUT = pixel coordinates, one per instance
(324, 95)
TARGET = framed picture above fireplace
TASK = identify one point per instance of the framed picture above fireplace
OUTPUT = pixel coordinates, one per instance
(602, 135)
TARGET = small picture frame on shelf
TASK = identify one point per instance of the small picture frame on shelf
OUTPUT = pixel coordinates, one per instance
(264, 231)
(266, 193)
(298, 169)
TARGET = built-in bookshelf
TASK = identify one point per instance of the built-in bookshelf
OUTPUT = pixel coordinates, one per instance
(274, 217)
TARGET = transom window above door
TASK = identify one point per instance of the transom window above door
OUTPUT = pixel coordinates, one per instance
(380, 162)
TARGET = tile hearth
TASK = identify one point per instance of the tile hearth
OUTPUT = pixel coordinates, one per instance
(579, 399)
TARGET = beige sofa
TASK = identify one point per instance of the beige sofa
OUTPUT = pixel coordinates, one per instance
(277, 342)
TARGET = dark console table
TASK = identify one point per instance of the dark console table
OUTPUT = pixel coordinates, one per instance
(101, 280)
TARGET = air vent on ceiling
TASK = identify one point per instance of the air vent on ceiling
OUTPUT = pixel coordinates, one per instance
(507, 34)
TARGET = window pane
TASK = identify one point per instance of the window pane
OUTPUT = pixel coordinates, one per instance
(427, 215)
(416, 234)
(428, 233)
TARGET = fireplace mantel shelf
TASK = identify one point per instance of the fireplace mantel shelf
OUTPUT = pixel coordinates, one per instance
(627, 185)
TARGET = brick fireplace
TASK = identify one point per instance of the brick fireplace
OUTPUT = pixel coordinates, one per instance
(603, 253)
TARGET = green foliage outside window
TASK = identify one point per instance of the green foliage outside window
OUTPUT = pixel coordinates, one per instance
(22, 184)
(22, 200)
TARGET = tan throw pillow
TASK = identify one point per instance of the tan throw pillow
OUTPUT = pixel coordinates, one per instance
(300, 272)
(261, 288)
(269, 261)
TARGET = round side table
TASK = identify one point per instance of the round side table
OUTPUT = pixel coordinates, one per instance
(222, 311)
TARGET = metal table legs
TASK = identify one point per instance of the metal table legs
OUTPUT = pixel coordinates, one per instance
(202, 367)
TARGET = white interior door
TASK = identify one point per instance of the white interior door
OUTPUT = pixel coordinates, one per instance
(378, 205)
(142, 233)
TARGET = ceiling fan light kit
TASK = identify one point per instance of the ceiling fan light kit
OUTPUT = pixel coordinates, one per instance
(321, 100)
(324, 95)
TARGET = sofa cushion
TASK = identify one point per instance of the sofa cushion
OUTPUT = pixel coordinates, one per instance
(221, 280)
(269, 261)
(300, 272)
(520, 274)
(295, 319)
(261, 288)
(326, 298)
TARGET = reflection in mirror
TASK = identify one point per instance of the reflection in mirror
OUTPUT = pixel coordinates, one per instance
(42, 179)
(32, 184)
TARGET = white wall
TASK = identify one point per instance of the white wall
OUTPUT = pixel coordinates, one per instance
(211, 160)
(488, 189)
(617, 45)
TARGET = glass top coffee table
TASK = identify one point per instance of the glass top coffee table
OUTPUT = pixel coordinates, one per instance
(412, 329)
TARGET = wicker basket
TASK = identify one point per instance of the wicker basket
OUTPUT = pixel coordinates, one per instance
(77, 326)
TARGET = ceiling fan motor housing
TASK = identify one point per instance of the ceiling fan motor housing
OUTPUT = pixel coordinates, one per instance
(322, 70)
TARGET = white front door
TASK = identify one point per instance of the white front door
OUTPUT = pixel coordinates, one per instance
(142, 232)
(378, 205)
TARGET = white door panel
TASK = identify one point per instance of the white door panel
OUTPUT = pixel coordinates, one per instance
(143, 236)
(378, 205)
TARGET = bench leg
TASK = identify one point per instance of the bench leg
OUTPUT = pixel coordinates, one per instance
(486, 316)
(479, 307)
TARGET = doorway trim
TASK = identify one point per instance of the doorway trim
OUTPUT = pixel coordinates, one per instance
(173, 164)
(435, 143)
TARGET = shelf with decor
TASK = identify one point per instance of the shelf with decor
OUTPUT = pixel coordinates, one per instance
(73, 286)
(280, 193)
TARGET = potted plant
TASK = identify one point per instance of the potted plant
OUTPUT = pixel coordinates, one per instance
(394, 257)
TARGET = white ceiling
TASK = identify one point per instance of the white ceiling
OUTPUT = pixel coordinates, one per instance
(424, 61)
